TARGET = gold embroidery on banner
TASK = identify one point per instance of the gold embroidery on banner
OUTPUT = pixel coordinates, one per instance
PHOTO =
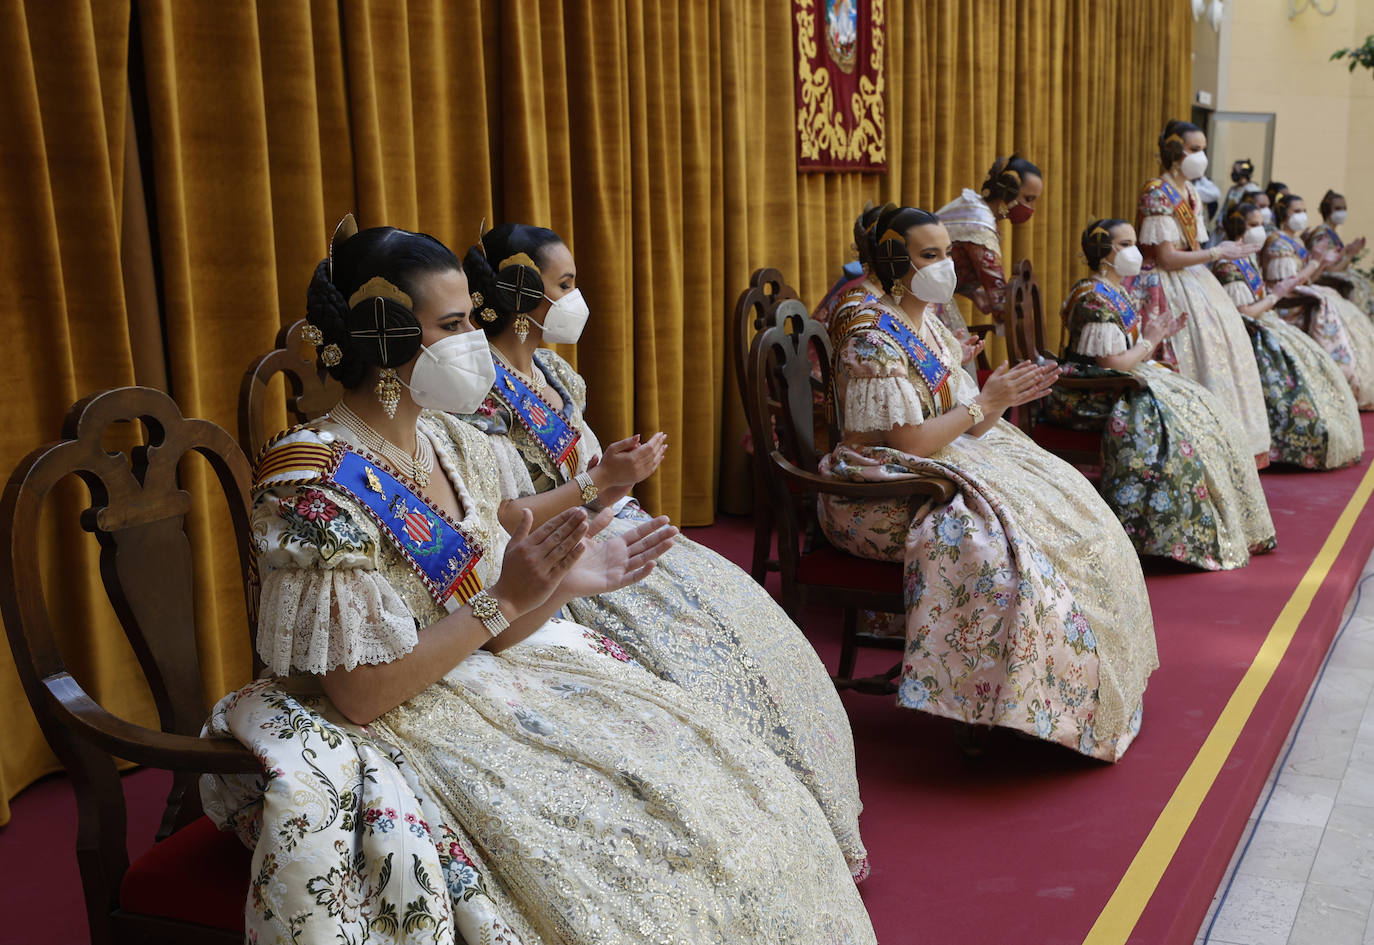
(826, 132)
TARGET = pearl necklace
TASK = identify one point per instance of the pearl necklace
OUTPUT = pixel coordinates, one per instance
(419, 466)
(535, 379)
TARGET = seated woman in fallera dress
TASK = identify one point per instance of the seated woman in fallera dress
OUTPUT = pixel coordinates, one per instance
(1323, 237)
(1341, 328)
(574, 795)
(1212, 347)
(1174, 465)
(1313, 417)
(1026, 606)
(698, 620)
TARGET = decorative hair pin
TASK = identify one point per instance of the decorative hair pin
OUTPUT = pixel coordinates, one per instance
(345, 230)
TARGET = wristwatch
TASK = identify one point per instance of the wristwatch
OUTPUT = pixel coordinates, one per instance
(975, 411)
(486, 609)
(589, 489)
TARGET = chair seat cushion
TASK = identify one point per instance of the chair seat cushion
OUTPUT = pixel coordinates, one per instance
(1055, 438)
(831, 566)
(199, 874)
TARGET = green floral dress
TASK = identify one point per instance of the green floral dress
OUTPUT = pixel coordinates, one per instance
(1175, 466)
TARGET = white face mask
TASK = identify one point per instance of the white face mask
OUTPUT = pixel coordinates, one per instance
(1297, 222)
(1194, 165)
(566, 319)
(1128, 261)
(1266, 216)
(454, 374)
(936, 282)
(1254, 236)
(1337, 217)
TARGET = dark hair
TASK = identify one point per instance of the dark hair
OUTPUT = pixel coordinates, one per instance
(1284, 206)
(1328, 199)
(482, 262)
(1234, 225)
(1006, 176)
(1273, 189)
(1097, 240)
(871, 231)
(398, 256)
(1171, 141)
(1245, 167)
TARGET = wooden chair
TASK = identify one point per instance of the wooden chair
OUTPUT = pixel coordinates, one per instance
(311, 390)
(192, 885)
(1026, 342)
(782, 396)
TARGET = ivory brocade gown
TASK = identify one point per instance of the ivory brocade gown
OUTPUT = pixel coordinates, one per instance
(697, 620)
(571, 795)
(1212, 347)
(1026, 606)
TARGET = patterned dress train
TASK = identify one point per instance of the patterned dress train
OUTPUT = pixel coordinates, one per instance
(1213, 347)
(697, 620)
(1026, 606)
(1313, 417)
(1174, 466)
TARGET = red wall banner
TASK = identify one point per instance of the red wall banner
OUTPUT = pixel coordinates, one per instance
(840, 117)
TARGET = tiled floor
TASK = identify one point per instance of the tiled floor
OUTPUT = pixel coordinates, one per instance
(1304, 871)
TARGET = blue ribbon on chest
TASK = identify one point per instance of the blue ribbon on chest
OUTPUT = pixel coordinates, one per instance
(442, 556)
(933, 370)
(1124, 309)
(1298, 248)
(1252, 277)
(553, 434)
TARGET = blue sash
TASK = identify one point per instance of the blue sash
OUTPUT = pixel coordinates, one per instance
(442, 556)
(549, 429)
(1124, 309)
(1335, 237)
(933, 370)
(1252, 277)
(1298, 248)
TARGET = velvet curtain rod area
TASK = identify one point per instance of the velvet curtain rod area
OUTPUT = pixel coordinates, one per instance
(173, 169)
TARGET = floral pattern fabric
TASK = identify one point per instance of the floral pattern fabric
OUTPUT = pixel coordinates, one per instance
(577, 797)
(701, 622)
(1025, 603)
(1174, 467)
(1313, 418)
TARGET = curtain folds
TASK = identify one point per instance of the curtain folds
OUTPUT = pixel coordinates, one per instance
(657, 139)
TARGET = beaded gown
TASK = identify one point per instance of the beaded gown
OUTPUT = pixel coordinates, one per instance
(1026, 606)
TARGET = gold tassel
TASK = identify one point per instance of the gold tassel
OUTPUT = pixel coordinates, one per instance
(389, 391)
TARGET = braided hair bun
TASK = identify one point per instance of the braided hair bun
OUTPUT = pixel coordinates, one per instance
(503, 269)
(880, 238)
(1006, 177)
(1171, 141)
(1097, 240)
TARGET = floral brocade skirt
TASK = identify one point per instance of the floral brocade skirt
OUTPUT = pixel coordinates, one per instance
(699, 621)
(1347, 335)
(1313, 418)
(1025, 603)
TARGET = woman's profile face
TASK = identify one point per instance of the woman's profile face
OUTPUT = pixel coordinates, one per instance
(1193, 141)
(1254, 218)
(927, 244)
(443, 306)
(558, 269)
(1295, 206)
(1260, 201)
(1337, 203)
(1031, 189)
(1123, 235)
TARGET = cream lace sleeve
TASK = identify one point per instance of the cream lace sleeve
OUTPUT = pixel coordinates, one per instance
(1280, 266)
(324, 604)
(879, 395)
(1101, 339)
(1239, 292)
(1157, 228)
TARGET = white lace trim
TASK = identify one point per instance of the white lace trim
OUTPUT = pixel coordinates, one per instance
(1158, 228)
(1101, 339)
(877, 404)
(1281, 267)
(324, 619)
(1239, 292)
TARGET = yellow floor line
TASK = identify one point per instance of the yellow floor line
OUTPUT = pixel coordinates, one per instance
(1117, 920)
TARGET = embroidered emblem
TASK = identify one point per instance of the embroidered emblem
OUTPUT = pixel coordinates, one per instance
(1252, 277)
(1124, 309)
(555, 436)
(373, 483)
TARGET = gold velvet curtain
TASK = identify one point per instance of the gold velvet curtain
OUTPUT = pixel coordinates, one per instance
(172, 168)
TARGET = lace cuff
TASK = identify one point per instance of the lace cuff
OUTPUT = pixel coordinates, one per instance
(1101, 339)
(1280, 267)
(1159, 229)
(1239, 292)
(313, 621)
(880, 403)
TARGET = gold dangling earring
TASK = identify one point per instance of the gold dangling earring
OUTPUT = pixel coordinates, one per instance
(522, 327)
(389, 391)
(897, 291)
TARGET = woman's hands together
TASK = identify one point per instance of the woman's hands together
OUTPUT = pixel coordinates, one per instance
(1012, 386)
(619, 560)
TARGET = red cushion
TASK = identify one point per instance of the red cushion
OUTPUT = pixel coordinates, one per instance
(1061, 438)
(198, 874)
(829, 566)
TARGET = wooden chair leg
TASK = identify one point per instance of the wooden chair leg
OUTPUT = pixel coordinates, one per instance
(763, 541)
(849, 646)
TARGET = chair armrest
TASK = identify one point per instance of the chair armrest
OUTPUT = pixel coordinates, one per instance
(1123, 384)
(144, 745)
(799, 480)
(981, 331)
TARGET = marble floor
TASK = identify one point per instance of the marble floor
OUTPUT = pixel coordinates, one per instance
(1303, 873)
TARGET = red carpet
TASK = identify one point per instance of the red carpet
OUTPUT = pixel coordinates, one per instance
(1023, 845)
